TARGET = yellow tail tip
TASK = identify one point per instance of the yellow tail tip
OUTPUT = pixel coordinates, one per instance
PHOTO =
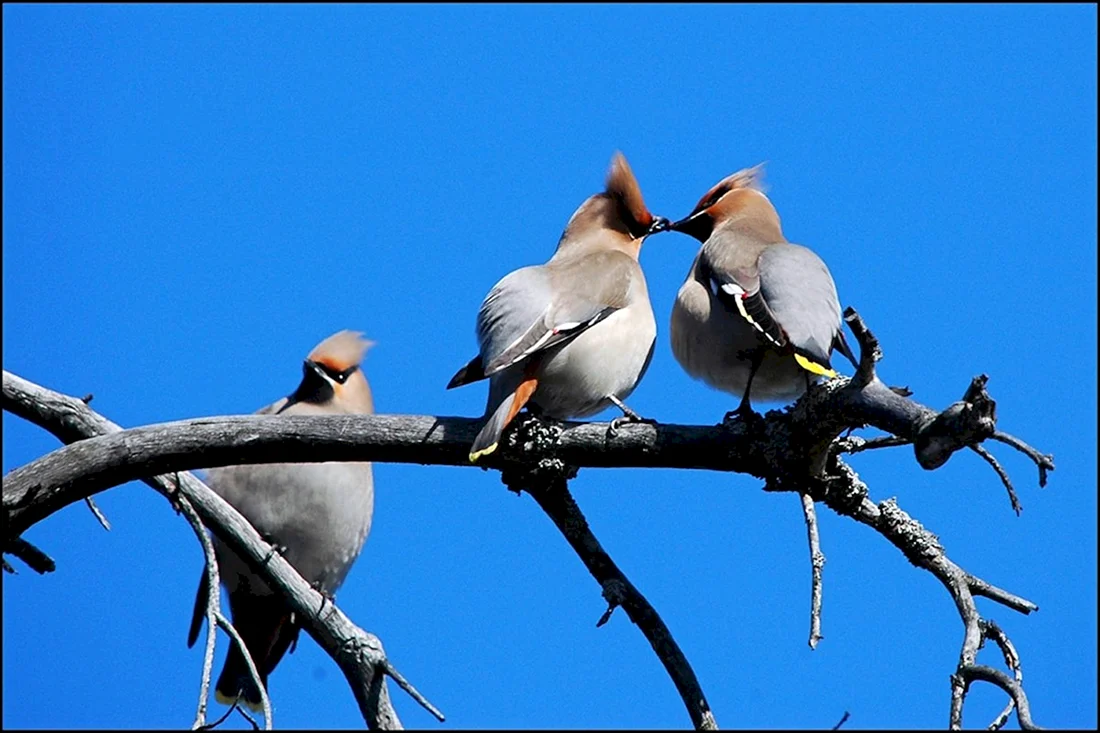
(814, 367)
(483, 452)
(226, 700)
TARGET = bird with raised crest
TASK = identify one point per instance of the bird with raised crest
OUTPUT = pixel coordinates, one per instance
(572, 336)
(757, 314)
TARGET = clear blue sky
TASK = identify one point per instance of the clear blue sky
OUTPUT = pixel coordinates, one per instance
(195, 196)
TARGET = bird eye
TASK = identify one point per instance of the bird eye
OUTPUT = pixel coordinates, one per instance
(337, 376)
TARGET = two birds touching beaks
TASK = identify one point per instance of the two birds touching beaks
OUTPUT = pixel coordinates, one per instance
(568, 338)
(756, 315)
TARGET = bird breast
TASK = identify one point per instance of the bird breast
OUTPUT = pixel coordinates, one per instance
(711, 344)
(609, 358)
(321, 513)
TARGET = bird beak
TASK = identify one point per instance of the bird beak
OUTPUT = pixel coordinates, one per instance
(679, 226)
(660, 224)
(698, 225)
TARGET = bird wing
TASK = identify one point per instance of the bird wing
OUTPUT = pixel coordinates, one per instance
(800, 292)
(536, 308)
(735, 282)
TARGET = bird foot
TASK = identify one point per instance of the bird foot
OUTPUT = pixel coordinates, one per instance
(276, 548)
(633, 417)
(745, 414)
(326, 597)
(628, 416)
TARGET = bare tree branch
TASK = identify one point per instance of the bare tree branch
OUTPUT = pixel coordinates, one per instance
(817, 563)
(991, 630)
(971, 672)
(778, 450)
(547, 483)
(1044, 461)
(794, 450)
(1000, 472)
(359, 654)
(215, 618)
(36, 560)
(97, 513)
(223, 622)
(856, 444)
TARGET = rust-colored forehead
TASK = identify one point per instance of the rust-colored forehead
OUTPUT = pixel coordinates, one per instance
(750, 178)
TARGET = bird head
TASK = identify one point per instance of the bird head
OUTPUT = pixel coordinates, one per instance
(736, 197)
(617, 216)
(332, 376)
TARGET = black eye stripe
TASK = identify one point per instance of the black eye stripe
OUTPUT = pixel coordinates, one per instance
(335, 375)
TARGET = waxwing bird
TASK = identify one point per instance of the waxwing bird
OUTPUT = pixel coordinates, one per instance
(576, 334)
(756, 313)
(318, 514)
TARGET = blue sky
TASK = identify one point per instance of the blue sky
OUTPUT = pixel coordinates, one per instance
(195, 196)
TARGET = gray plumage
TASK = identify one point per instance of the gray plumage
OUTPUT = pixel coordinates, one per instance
(319, 514)
(753, 300)
(570, 335)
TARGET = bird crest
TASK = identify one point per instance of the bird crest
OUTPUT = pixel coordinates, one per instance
(623, 186)
(341, 350)
(750, 178)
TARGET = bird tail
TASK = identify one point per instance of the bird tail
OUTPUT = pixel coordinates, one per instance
(198, 613)
(268, 630)
(472, 372)
(840, 343)
(513, 401)
(813, 364)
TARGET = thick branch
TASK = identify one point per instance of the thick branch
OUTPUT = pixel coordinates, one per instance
(784, 447)
(793, 450)
(358, 653)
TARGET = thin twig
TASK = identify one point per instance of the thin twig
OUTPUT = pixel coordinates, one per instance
(847, 494)
(1045, 461)
(992, 631)
(843, 720)
(244, 714)
(869, 351)
(980, 587)
(252, 671)
(981, 451)
(35, 559)
(213, 601)
(411, 691)
(817, 562)
(972, 672)
(225, 716)
(98, 514)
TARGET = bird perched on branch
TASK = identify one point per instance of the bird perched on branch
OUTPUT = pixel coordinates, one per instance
(317, 514)
(757, 314)
(576, 334)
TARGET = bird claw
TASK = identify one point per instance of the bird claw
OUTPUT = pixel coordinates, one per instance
(745, 414)
(326, 597)
(276, 548)
(613, 427)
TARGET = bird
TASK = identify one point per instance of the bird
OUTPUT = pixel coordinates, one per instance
(317, 514)
(575, 335)
(756, 314)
